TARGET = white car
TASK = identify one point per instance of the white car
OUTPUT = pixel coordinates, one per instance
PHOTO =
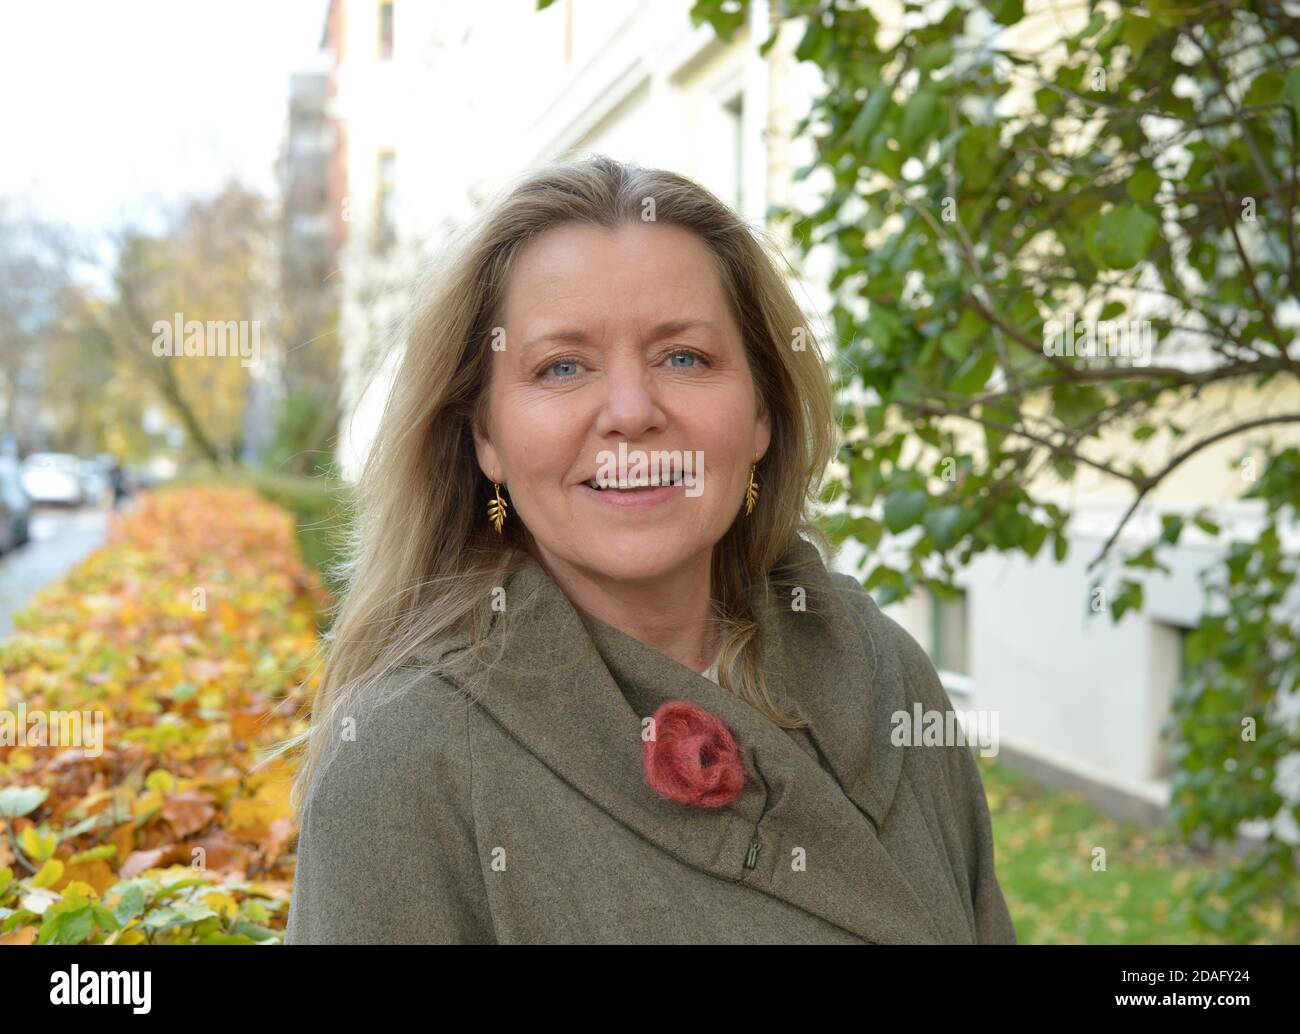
(53, 477)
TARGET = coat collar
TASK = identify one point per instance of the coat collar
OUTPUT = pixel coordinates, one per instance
(574, 691)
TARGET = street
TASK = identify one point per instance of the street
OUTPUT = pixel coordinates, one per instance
(60, 538)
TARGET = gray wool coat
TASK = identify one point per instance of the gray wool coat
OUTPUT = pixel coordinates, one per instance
(524, 816)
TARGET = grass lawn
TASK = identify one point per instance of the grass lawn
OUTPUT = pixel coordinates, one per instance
(1045, 842)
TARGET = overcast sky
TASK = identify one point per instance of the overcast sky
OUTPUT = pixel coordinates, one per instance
(109, 108)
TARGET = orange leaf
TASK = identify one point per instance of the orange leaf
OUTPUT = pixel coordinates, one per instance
(138, 861)
(188, 812)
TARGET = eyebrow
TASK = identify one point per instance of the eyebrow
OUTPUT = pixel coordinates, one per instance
(666, 329)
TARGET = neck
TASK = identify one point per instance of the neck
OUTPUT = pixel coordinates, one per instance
(671, 613)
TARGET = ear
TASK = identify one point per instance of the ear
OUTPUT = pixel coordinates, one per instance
(762, 430)
(488, 460)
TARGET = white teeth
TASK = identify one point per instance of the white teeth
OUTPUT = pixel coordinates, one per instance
(641, 483)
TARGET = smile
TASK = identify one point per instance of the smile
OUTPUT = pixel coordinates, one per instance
(634, 497)
(633, 484)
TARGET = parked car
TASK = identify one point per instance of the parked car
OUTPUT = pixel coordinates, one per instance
(53, 477)
(15, 506)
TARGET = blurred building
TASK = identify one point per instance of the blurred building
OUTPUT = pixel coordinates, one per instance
(307, 158)
(301, 377)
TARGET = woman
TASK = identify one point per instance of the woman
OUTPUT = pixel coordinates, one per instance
(591, 481)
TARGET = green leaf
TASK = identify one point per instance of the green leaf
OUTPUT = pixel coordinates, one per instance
(1291, 87)
(954, 347)
(1007, 12)
(920, 116)
(130, 904)
(253, 931)
(1108, 38)
(866, 530)
(725, 22)
(936, 55)
(21, 800)
(945, 526)
(1146, 559)
(1266, 89)
(903, 509)
(971, 326)
(1171, 527)
(974, 372)
(883, 575)
(1073, 404)
(869, 118)
(1138, 31)
(1124, 236)
(105, 918)
(1205, 524)
(1128, 598)
(1142, 185)
(811, 44)
(1095, 24)
(67, 927)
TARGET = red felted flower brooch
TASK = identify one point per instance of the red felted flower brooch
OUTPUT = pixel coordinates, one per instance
(693, 758)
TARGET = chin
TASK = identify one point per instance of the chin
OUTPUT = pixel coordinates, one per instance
(633, 557)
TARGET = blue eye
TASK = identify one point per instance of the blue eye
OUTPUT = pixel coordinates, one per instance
(561, 362)
(554, 371)
(694, 357)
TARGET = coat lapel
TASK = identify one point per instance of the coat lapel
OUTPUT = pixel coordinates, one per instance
(574, 692)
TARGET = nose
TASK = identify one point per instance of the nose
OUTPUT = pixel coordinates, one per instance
(630, 406)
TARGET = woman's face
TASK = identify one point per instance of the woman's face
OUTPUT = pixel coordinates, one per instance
(620, 338)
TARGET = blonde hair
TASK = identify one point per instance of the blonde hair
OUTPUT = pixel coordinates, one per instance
(422, 557)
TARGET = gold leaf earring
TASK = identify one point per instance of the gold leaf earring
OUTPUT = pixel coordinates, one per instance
(497, 509)
(751, 493)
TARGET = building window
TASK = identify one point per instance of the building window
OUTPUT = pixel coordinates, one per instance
(386, 30)
(1173, 668)
(949, 649)
(1185, 671)
(386, 200)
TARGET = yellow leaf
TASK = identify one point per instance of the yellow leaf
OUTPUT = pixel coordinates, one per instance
(147, 802)
(38, 847)
(223, 904)
(77, 889)
(49, 875)
(161, 780)
(212, 698)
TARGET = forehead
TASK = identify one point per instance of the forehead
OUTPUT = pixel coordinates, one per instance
(637, 271)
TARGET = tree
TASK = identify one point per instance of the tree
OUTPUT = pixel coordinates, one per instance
(211, 266)
(35, 286)
(984, 199)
